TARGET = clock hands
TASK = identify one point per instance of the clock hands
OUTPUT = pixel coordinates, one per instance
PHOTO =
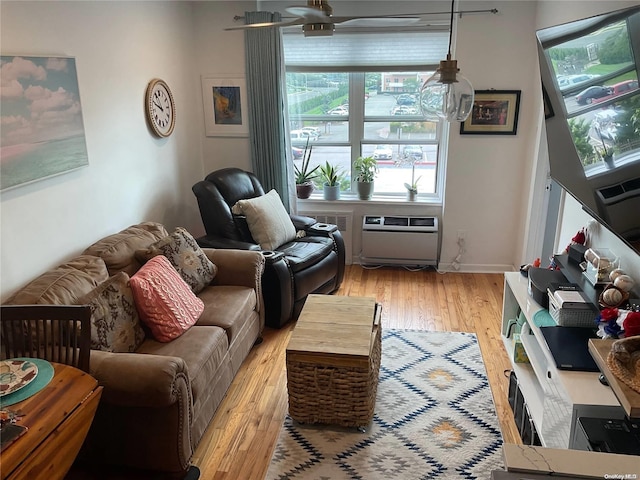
(157, 105)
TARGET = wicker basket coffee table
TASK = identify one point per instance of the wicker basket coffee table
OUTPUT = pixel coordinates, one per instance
(333, 361)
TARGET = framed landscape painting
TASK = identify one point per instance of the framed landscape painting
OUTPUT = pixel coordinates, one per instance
(495, 112)
(42, 128)
(225, 106)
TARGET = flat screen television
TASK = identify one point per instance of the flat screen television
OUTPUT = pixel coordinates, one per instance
(589, 70)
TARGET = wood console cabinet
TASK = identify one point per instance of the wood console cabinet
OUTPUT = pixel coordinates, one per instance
(554, 398)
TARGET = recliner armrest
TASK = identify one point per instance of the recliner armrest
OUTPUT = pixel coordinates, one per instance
(301, 222)
(322, 229)
(214, 241)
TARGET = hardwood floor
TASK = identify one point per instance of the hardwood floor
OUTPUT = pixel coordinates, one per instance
(239, 441)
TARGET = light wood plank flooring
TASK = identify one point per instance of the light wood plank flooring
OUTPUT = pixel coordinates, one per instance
(239, 442)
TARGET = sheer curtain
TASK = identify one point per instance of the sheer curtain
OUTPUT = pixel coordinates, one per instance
(265, 87)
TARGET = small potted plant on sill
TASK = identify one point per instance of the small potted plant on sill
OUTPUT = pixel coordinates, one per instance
(305, 176)
(412, 188)
(331, 177)
(366, 170)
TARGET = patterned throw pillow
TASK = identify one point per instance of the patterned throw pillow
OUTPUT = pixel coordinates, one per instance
(115, 325)
(269, 223)
(186, 256)
(164, 301)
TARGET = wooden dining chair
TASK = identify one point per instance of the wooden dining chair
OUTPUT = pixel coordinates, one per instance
(57, 333)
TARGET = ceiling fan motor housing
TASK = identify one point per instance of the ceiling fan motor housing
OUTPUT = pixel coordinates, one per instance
(318, 29)
(321, 5)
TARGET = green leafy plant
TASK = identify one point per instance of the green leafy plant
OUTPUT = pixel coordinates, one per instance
(330, 174)
(413, 186)
(303, 174)
(366, 169)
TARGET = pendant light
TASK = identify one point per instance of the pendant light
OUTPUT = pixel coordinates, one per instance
(447, 94)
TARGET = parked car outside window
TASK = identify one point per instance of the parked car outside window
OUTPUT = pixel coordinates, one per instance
(301, 136)
(313, 132)
(588, 95)
(383, 152)
(413, 153)
(297, 152)
(341, 110)
(571, 80)
(618, 89)
(406, 99)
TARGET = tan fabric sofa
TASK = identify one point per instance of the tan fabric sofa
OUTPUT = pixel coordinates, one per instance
(158, 400)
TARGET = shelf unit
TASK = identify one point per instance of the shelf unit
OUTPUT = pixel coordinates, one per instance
(555, 398)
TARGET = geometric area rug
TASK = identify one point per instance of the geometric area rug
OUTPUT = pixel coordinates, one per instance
(434, 418)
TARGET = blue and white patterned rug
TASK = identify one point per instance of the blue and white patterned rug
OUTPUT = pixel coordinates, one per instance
(434, 418)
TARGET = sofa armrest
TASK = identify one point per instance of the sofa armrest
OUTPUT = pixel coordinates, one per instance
(140, 380)
(240, 267)
(236, 267)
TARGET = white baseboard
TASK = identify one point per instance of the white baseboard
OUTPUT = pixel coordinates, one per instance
(475, 268)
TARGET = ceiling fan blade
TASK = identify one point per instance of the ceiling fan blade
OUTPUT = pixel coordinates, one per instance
(298, 21)
(310, 14)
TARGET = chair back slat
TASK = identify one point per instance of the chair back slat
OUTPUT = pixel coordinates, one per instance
(57, 333)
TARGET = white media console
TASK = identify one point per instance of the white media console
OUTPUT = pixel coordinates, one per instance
(554, 398)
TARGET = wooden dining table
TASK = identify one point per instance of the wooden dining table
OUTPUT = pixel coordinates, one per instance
(58, 418)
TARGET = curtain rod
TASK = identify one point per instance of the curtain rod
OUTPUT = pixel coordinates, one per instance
(405, 15)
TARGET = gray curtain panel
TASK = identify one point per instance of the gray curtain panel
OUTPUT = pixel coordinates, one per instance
(265, 80)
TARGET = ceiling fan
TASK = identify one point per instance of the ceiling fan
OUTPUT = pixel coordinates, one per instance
(317, 19)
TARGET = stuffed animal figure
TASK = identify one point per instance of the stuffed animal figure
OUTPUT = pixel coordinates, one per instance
(578, 239)
(618, 323)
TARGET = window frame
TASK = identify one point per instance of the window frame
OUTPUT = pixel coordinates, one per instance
(357, 119)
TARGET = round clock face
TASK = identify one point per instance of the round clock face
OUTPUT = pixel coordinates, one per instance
(161, 109)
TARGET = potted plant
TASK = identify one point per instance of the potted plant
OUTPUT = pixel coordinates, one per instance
(304, 175)
(366, 170)
(331, 181)
(412, 188)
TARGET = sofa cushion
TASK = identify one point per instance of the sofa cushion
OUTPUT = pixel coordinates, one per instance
(115, 325)
(186, 256)
(64, 284)
(203, 350)
(306, 251)
(227, 306)
(268, 221)
(118, 250)
(164, 301)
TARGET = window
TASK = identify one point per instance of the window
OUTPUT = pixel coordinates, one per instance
(597, 78)
(361, 99)
(347, 115)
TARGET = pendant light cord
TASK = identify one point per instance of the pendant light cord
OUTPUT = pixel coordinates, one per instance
(451, 27)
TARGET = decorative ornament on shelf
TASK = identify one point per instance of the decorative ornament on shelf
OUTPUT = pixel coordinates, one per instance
(447, 94)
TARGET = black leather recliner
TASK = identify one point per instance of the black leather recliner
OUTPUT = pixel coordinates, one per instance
(313, 263)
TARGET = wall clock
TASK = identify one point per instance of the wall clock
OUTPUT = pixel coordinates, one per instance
(160, 108)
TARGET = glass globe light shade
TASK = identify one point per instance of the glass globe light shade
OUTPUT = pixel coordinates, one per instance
(446, 94)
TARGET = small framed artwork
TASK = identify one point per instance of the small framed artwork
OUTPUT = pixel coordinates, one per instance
(225, 106)
(495, 112)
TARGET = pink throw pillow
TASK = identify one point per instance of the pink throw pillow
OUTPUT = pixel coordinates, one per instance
(163, 299)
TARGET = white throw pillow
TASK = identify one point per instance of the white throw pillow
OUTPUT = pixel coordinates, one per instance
(267, 219)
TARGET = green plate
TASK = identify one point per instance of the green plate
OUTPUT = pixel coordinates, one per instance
(44, 376)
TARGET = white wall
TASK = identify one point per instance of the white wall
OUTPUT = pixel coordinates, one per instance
(486, 174)
(132, 176)
(220, 52)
